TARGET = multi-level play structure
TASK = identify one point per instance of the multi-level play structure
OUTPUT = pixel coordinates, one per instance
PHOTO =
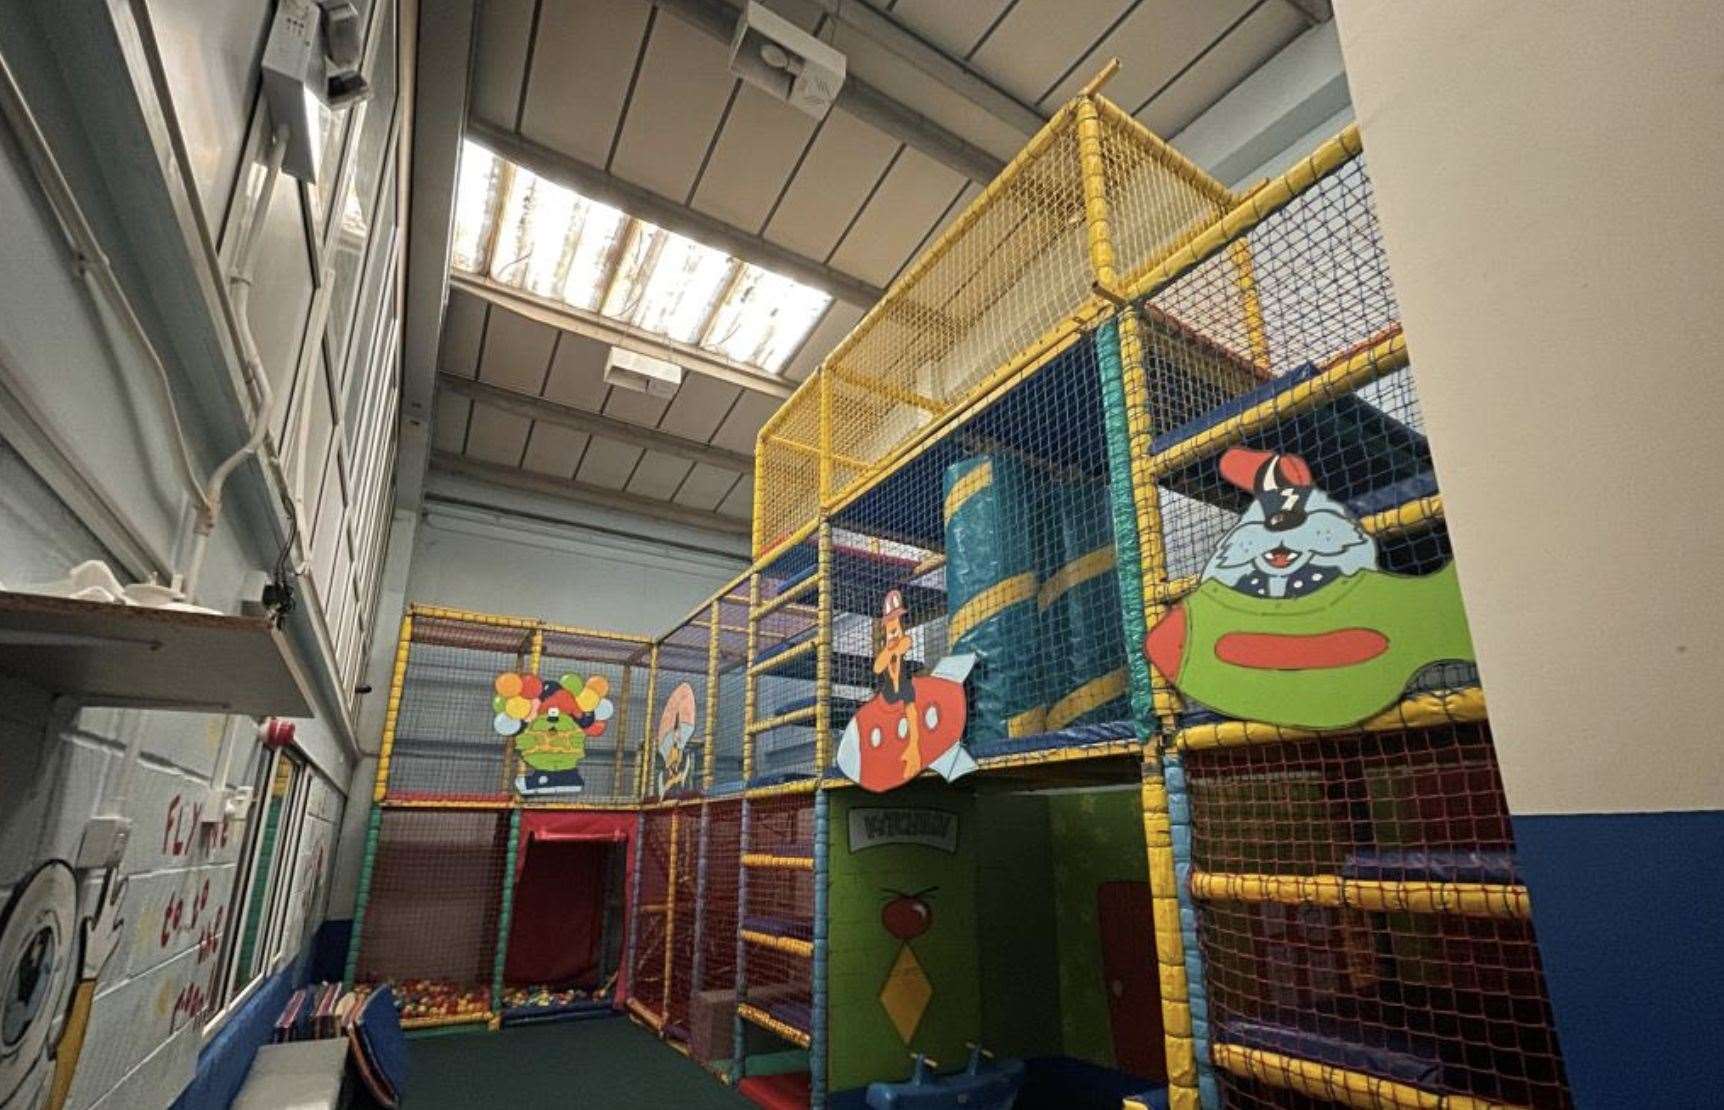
(963, 759)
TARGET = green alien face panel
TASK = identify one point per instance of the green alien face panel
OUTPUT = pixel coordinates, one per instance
(1292, 622)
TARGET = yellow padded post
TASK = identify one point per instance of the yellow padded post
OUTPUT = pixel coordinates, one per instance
(392, 714)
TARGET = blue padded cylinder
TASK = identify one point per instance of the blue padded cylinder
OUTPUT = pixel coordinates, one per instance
(992, 575)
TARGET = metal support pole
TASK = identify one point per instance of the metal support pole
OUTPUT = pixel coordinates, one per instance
(738, 1035)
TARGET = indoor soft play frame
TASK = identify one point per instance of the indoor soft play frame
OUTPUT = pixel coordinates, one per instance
(1016, 457)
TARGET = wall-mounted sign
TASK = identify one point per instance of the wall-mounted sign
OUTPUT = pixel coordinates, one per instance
(929, 828)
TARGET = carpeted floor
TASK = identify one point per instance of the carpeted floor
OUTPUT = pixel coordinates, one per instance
(606, 1063)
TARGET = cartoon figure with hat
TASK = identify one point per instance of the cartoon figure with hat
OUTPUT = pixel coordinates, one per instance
(913, 721)
(675, 730)
(551, 723)
(1292, 622)
(1294, 538)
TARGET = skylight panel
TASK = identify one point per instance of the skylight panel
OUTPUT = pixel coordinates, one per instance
(670, 284)
(475, 206)
(524, 231)
(765, 318)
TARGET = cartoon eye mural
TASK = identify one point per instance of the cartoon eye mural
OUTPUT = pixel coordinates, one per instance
(551, 722)
(907, 992)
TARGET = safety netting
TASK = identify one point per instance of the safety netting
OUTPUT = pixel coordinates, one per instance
(428, 923)
(784, 670)
(712, 1003)
(776, 917)
(490, 709)
(1362, 926)
(987, 560)
(652, 914)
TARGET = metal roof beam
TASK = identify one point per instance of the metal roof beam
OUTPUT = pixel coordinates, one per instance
(594, 423)
(545, 485)
(618, 334)
(862, 100)
(954, 73)
(594, 183)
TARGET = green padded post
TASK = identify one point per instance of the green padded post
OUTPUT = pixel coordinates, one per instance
(372, 827)
(506, 912)
(1128, 562)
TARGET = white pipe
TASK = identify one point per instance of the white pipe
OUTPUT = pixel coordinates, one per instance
(92, 264)
(256, 376)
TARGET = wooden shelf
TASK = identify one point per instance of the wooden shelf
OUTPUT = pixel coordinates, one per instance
(107, 654)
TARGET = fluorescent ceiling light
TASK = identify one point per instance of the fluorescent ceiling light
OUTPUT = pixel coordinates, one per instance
(534, 235)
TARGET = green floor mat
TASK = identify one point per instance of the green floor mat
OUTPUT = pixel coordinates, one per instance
(605, 1063)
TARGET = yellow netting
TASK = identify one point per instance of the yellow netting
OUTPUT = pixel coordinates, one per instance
(1014, 274)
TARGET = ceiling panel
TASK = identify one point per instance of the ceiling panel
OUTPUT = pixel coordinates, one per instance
(699, 406)
(914, 194)
(740, 503)
(705, 487)
(637, 408)
(683, 87)
(495, 436)
(578, 372)
(449, 422)
(739, 428)
(835, 325)
(499, 59)
(516, 351)
(1154, 42)
(553, 449)
(463, 329)
(608, 463)
(1039, 39)
(953, 27)
(906, 83)
(1252, 43)
(581, 69)
(658, 475)
(842, 166)
(762, 139)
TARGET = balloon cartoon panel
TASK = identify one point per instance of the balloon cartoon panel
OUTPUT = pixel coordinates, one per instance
(551, 722)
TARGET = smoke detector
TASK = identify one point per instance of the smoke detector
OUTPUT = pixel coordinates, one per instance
(642, 373)
(780, 58)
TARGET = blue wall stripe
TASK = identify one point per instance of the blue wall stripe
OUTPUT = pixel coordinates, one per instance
(1629, 909)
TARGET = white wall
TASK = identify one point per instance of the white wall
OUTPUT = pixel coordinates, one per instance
(478, 549)
(1547, 181)
(82, 421)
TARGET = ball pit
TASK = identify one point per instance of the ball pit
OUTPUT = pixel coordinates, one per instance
(425, 999)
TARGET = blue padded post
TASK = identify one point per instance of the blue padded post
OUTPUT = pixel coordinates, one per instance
(699, 968)
(817, 989)
(737, 1033)
(1179, 818)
